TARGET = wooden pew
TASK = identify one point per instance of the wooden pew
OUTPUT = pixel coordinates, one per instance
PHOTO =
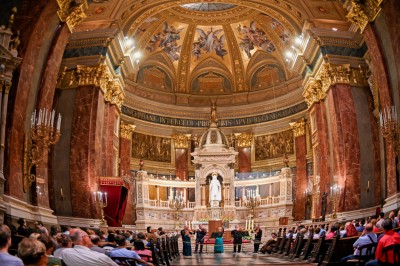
(308, 248)
(298, 247)
(320, 249)
(339, 248)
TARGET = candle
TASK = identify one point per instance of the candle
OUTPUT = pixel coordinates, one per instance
(246, 225)
(105, 196)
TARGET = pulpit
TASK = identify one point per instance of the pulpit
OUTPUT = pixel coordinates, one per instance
(213, 226)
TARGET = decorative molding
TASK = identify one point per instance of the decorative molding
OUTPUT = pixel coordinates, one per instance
(125, 130)
(181, 141)
(361, 14)
(298, 128)
(313, 92)
(99, 75)
(244, 140)
(72, 12)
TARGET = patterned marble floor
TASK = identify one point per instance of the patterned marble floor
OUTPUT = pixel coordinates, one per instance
(230, 258)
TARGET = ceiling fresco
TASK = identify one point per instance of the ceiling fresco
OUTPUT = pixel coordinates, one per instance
(213, 47)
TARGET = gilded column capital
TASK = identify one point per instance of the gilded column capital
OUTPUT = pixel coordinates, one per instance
(99, 75)
(71, 12)
(126, 130)
(298, 128)
(244, 140)
(362, 13)
(313, 92)
(331, 74)
(114, 93)
(181, 140)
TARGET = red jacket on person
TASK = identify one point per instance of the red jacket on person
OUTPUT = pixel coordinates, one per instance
(390, 238)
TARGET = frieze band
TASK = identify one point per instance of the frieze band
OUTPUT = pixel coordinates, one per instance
(221, 123)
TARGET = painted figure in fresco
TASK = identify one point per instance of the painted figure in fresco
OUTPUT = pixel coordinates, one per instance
(215, 188)
(210, 41)
(167, 40)
(252, 37)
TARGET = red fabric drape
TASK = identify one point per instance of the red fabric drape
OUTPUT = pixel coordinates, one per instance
(122, 205)
(114, 198)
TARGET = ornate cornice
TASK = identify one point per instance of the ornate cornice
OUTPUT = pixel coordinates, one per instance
(71, 12)
(181, 140)
(361, 14)
(126, 130)
(244, 140)
(99, 75)
(329, 75)
(298, 128)
(313, 92)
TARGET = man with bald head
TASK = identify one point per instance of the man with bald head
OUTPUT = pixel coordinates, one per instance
(81, 254)
(367, 237)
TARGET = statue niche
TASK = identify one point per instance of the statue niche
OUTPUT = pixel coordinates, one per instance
(214, 190)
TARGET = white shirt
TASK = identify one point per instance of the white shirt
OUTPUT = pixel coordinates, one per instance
(364, 240)
(83, 256)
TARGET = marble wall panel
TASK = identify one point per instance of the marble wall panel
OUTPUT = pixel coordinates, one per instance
(301, 177)
(244, 160)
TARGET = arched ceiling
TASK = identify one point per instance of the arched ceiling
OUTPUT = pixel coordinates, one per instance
(212, 48)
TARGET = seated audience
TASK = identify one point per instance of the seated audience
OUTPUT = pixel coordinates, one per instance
(32, 252)
(64, 242)
(111, 244)
(5, 243)
(142, 238)
(361, 227)
(322, 230)
(270, 245)
(397, 219)
(140, 250)
(50, 247)
(81, 254)
(316, 233)
(367, 237)
(390, 237)
(350, 230)
(95, 241)
(375, 229)
(381, 218)
(22, 229)
(331, 233)
(122, 252)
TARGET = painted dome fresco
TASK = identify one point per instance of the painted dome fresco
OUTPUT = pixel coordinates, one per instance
(236, 51)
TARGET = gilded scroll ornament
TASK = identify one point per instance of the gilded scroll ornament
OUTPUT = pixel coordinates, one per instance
(126, 130)
(244, 140)
(362, 13)
(71, 12)
(181, 141)
(314, 93)
(298, 128)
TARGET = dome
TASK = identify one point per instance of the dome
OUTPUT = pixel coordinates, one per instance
(213, 137)
(203, 50)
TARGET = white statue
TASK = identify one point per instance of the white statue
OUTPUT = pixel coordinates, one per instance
(215, 189)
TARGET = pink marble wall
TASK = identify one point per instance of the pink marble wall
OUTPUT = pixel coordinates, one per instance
(323, 155)
(125, 156)
(33, 23)
(181, 163)
(345, 145)
(381, 78)
(86, 147)
(301, 177)
(244, 160)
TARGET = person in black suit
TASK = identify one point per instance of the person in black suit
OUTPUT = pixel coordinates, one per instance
(200, 234)
(257, 239)
(237, 239)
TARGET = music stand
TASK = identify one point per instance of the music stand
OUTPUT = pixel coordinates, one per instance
(243, 233)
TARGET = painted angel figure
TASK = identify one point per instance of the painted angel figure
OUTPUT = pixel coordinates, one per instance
(210, 41)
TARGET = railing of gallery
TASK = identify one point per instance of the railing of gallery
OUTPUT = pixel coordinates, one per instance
(165, 204)
(268, 201)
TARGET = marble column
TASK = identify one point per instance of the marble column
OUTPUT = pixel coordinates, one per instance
(381, 76)
(345, 145)
(181, 143)
(46, 101)
(244, 141)
(299, 133)
(125, 147)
